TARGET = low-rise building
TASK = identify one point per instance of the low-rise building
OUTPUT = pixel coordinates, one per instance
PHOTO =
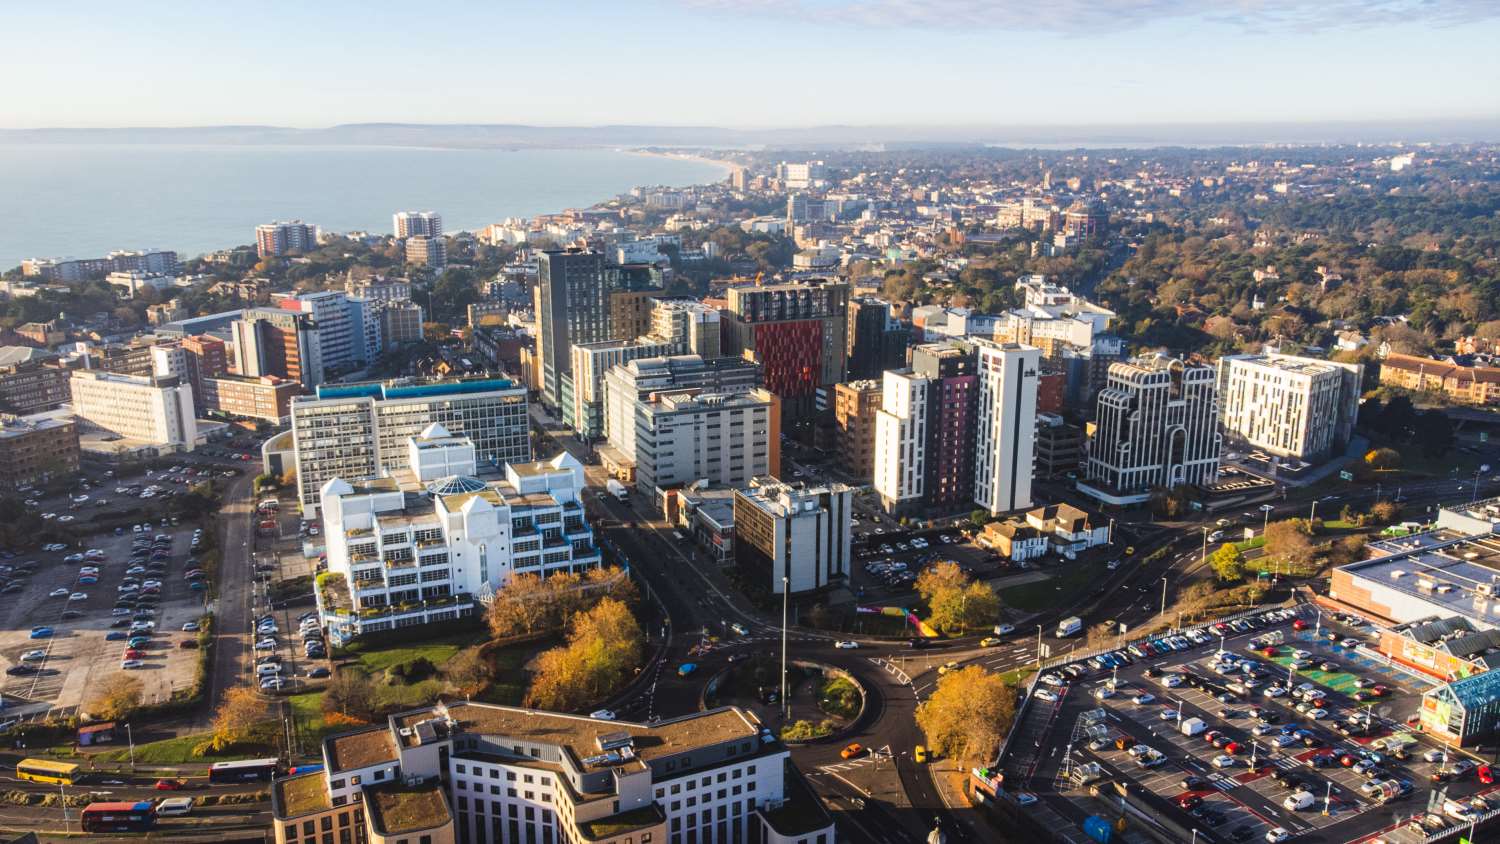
(32, 380)
(486, 774)
(794, 536)
(1069, 529)
(266, 397)
(1468, 384)
(423, 544)
(1013, 539)
(37, 448)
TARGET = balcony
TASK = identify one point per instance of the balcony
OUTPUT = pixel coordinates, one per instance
(407, 608)
(400, 564)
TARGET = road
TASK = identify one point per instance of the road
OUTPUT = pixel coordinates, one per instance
(232, 610)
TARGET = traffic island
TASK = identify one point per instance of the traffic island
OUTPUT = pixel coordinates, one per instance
(823, 701)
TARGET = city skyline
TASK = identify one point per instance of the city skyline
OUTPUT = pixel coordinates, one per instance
(941, 62)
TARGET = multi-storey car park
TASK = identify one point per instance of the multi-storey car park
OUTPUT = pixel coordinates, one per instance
(477, 773)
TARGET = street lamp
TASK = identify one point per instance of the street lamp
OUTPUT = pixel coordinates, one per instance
(786, 597)
(1164, 596)
(1039, 647)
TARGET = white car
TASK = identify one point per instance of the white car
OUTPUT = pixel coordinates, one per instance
(846, 644)
(79, 596)
(1002, 629)
(190, 627)
(59, 593)
(33, 656)
(54, 546)
(272, 682)
(1045, 694)
(603, 714)
(131, 664)
(1143, 698)
(1299, 801)
(1051, 679)
(1167, 715)
(266, 668)
(1283, 739)
(1224, 761)
(1273, 691)
(266, 645)
(1172, 681)
(1317, 714)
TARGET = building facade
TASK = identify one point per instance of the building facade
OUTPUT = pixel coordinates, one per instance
(479, 773)
(360, 430)
(281, 238)
(267, 398)
(797, 333)
(572, 306)
(150, 410)
(279, 342)
(1302, 408)
(855, 406)
(799, 537)
(423, 545)
(591, 361)
(37, 448)
(35, 384)
(430, 252)
(684, 436)
(877, 340)
(1156, 426)
(417, 224)
(636, 380)
(1005, 425)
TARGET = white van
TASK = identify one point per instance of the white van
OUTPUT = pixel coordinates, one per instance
(175, 806)
(1299, 801)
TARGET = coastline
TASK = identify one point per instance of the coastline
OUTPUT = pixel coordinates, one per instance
(472, 206)
(724, 164)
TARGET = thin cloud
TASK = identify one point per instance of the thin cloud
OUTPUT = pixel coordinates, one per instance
(1095, 16)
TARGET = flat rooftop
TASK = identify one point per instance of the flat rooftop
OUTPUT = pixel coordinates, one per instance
(579, 734)
(301, 795)
(360, 750)
(1447, 570)
(396, 808)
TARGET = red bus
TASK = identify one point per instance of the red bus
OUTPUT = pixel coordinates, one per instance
(119, 817)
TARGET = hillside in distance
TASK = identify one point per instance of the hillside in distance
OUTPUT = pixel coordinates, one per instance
(501, 135)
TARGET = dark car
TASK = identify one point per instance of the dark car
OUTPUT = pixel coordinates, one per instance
(1193, 783)
(319, 672)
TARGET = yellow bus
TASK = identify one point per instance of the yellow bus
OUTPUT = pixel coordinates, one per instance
(44, 770)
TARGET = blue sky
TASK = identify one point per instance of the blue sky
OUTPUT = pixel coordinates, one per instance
(748, 63)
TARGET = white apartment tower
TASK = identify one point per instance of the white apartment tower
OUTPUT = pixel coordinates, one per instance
(417, 224)
(901, 440)
(1005, 438)
(1302, 408)
(1156, 426)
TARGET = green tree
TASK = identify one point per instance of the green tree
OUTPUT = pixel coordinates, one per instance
(1228, 563)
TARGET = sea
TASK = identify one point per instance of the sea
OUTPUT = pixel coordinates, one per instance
(86, 200)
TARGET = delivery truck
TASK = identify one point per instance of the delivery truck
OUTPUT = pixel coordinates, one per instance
(1069, 626)
(617, 489)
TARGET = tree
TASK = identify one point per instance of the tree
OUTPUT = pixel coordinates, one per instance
(604, 647)
(116, 697)
(238, 718)
(1289, 541)
(979, 517)
(350, 693)
(468, 670)
(1228, 563)
(1101, 634)
(1385, 512)
(956, 603)
(967, 715)
(1383, 459)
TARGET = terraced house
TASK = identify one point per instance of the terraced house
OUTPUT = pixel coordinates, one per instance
(476, 773)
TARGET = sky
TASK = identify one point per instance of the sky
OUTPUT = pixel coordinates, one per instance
(747, 63)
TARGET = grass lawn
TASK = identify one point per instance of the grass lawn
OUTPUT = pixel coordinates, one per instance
(1017, 677)
(1281, 567)
(179, 751)
(437, 651)
(1058, 590)
(1257, 542)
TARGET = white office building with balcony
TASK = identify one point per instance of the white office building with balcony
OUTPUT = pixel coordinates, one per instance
(426, 543)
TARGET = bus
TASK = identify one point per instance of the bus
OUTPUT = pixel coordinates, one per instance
(119, 817)
(243, 770)
(45, 770)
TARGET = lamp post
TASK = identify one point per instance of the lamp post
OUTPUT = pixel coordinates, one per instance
(1204, 558)
(786, 598)
(131, 738)
(1039, 647)
(1163, 596)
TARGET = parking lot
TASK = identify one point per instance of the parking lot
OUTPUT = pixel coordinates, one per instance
(1271, 743)
(279, 559)
(90, 622)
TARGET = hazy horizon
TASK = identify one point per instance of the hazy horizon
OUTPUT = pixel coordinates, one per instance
(754, 63)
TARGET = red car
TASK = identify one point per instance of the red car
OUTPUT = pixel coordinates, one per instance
(1299, 624)
(1232, 748)
(1486, 775)
(134, 653)
(1379, 690)
(1189, 801)
(1270, 650)
(171, 785)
